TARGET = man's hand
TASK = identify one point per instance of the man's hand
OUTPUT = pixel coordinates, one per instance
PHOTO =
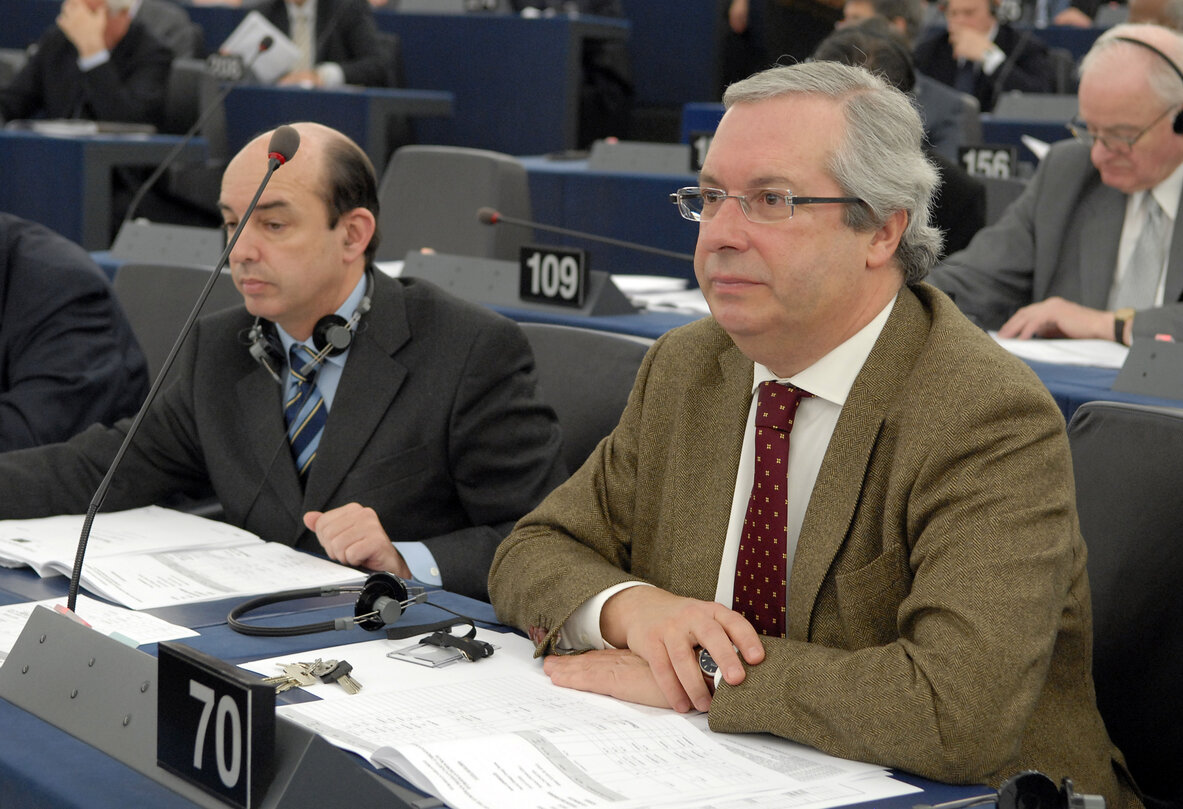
(666, 630)
(85, 28)
(301, 78)
(613, 672)
(969, 44)
(352, 535)
(1056, 317)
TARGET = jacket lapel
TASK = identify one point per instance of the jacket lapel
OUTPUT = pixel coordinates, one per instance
(259, 403)
(840, 480)
(1100, 224)
(371, 380)
(1173, 289)
(702, 518)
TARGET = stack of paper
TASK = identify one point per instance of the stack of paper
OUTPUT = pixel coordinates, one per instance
(157, 557)
(497, 733)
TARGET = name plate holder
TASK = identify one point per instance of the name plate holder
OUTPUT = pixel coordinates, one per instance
(495, 282)
(103, 692)
(155, 243)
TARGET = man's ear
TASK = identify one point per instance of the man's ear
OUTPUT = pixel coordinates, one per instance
(885, 240)
(358, 227)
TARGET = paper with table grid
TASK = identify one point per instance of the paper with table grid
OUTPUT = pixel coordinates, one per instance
(498, 733)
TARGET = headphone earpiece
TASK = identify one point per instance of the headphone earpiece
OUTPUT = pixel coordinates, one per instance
(1177, 123)
(332, 335)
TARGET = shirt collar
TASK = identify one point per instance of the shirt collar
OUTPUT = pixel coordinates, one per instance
(345, 311)
(832, 377)
(1165, 193)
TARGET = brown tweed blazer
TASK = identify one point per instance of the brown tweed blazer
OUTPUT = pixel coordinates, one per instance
(939, 614)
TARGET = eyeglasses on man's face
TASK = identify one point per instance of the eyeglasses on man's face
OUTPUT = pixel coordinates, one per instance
(1119, 144)
(762, 206)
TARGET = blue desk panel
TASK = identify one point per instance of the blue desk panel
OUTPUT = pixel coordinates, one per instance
(65, 182)
(25, 21)
(1010, 132)
(516, 80)
(365, 114)
(623, 205)
(668, 72)
(217, 22)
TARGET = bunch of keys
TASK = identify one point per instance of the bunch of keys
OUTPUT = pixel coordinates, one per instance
(305, 674)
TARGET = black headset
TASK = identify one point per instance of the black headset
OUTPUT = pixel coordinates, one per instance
(381, 601)
(331, 336)
(1177, 124)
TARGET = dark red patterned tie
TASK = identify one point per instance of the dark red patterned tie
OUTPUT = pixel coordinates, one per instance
(762, 566)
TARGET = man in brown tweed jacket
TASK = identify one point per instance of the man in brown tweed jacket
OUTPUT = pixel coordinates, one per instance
(937, 615)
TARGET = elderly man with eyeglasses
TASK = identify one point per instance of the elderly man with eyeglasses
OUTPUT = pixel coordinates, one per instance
(906, 583)
(1088, 250)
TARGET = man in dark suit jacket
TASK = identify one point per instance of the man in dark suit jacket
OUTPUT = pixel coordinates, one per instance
(435, 437)
(68, 358)
(1053, 265)
(97, 63)
(346, 45)
(920, 502)
(979, 55)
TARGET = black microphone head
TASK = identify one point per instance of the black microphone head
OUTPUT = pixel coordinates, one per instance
(284, 143)
(266, 42)
(488, 216)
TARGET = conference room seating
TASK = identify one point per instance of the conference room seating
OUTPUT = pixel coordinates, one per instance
(971, 120)
(430, 196)
(1128, 462)
(586, 377)
(1000, 193)
(11, 62)
(158, 299)
(1064, 77)
(1057, 107)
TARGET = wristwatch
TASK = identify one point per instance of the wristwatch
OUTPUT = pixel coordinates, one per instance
(709, 668)
(1120, 318)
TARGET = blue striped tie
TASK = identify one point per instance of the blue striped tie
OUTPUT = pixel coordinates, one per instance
(305, 410)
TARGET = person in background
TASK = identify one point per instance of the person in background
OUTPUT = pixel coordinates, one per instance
(945, 111)
(96, 63)
(1088, 250)
(959, 209)
(68, 357)
(984, 56)
(338, 41)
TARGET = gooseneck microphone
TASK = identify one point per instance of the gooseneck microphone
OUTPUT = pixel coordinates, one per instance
(264, 45)
(282, 146)
(489, 216)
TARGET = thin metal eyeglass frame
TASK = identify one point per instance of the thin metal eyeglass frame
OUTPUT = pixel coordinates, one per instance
(792, 201)
(1079, 130)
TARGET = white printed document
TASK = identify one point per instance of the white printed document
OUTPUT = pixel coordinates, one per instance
(158, 557)
(270, 65)
(497, 733)
(48, 544)
(137, 628)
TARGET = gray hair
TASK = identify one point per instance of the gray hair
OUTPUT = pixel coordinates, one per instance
(879, 159)
(115, 6)
(1164, 82)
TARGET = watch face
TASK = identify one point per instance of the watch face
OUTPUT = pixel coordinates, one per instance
(707, 663)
